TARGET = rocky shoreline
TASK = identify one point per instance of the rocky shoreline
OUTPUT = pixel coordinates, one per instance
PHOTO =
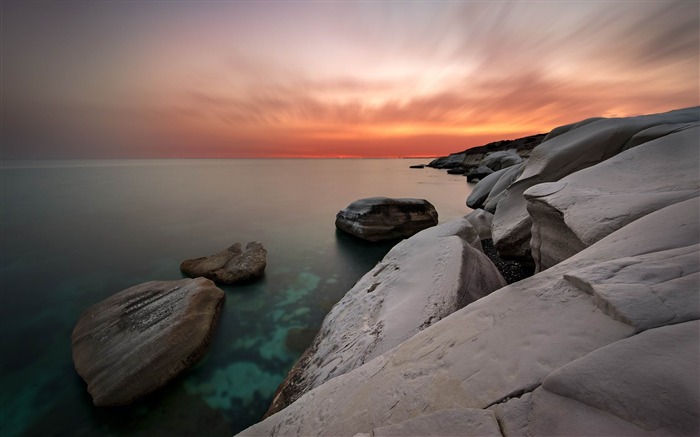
(602, 340)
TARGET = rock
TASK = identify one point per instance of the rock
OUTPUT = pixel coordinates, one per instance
(481, 191)
(501, 159)
(138, 340)
(497, 349)
(230, 266)
(561, 154)
(460, 422)
(580, 209)
(420, 281)
(650, 380)
(459, 169)
(510, 175)
(471, 158)
(478, 173)
(418, 166)
(481, 222)
(450, 161)
(382, 218)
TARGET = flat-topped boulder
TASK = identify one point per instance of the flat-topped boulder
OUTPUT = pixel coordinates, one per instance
(230, 266)
(383, 218)
(136, 341)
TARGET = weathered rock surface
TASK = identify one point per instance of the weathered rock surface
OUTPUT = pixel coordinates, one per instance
(497, 350)
(420, 281)
(659, 392)
(510, 175)
(479, 172)
(461, 422)
(481, 191)
(383, 218)
(139, 339)
(583, 145)
(481, 222)
(501, 159)
(231, 265)
(580, 209)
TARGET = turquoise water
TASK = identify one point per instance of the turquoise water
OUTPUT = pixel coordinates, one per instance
(76, 232)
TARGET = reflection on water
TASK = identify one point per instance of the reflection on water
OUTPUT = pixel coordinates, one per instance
(74, 233)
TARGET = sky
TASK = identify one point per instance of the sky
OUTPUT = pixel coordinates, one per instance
(252, 79)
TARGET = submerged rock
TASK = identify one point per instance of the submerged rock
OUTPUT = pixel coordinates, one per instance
(231, 265)
(139, 339)
(383, 218)
(420, 281)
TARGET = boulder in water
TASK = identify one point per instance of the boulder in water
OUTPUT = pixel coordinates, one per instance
(139, 339)
(383, 218)
(231, 265)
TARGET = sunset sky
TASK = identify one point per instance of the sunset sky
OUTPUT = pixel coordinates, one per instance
(142, 79)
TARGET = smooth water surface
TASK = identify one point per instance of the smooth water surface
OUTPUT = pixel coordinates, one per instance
(76, 232)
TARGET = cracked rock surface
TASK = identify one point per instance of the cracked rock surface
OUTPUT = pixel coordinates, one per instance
(139, 339)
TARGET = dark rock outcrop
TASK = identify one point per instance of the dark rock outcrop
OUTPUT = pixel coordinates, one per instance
(479, 172)
(383, 218)
(139, 339)
(230, 266)
(472, 158)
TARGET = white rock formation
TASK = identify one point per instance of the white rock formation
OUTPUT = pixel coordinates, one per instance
(583, 145)
(481, 222)
(501, 159)
(509, 176)
(563, 338)
(580, 209)
(420, 281)
(481, 191)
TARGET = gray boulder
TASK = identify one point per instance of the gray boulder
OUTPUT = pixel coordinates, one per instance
(478, 173)
(481, 222)
(231, 265)
(383, 218)
(510, 175)
(562, 154)
(492, 353)
(501, 159)
(420, 281)
(580, 209)
(481, 191)
(139, 339)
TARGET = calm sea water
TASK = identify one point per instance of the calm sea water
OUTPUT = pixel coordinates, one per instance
(76, 232)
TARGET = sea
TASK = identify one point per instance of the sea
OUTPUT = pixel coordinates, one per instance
(75, 232)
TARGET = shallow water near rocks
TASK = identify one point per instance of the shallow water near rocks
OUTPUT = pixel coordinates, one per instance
(76, 232)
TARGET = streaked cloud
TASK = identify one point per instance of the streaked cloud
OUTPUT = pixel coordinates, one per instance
(309, 78)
